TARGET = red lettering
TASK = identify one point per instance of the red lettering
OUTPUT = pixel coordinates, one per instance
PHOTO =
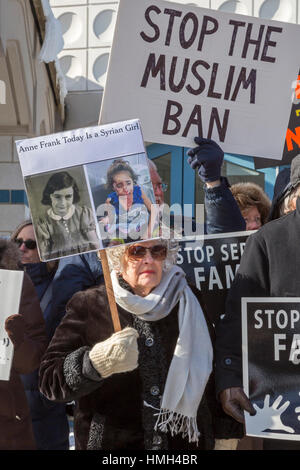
(290, 137)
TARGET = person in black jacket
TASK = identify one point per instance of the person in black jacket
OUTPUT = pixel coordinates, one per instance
(49, 420)
(55, 283)
(268, 268)
(26, 331)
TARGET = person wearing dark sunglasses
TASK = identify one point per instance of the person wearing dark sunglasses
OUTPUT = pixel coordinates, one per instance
(29, 244)
(150, 385)
(25, 329)
(25, 239)
(49, 420)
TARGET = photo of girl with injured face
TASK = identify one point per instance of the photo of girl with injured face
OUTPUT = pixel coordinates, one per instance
(123, 197)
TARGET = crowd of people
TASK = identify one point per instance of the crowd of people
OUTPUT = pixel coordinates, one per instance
(169, 379)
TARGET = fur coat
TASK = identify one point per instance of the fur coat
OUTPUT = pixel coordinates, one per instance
(119, 412)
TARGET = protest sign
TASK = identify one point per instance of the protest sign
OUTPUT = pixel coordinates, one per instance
(87, 188)
(10, 293)
(210, 264)
(189, 71)
(292, 138)
(271, 358)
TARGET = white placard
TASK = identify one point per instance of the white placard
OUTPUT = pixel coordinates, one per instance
(88, 188)
(79, 147)
(186, 71)
(10, 293)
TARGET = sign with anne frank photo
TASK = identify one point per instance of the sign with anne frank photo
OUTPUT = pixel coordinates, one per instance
(87, 188)
(271, 359)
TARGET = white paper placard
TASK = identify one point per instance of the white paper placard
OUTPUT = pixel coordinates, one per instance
(88, 188)
(79, 147)
(10, 293)
(186, 71)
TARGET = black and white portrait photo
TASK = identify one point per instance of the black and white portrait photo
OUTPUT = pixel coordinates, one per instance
(62, 213)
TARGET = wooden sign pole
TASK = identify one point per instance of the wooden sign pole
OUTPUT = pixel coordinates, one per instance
(110, 292)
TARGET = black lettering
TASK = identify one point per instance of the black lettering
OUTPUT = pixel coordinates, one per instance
(173, 87)
(248, 41)
(198, 77)
(222, 128)
(268, 43)
(172, 117)
(229, 82)
(153, 25)
(185, 44)
(194, 119)
(172, 14)
(251, 80)
(236, 25)
(205, 30)
(155, 69)
(211, 93)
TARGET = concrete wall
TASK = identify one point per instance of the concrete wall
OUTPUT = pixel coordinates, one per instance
(28, 108)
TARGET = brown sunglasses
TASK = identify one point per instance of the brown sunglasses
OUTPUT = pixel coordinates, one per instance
(158, 252)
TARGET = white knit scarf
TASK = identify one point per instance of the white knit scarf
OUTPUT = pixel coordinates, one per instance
(191, 364)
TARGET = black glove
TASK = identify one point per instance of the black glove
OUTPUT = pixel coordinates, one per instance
(234, 402)
(15, 328)
(208, 158)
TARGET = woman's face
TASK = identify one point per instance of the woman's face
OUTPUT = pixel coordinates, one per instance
(144, 274)
(62, 200)
(28, 255)
(123, 184)
(252, 218)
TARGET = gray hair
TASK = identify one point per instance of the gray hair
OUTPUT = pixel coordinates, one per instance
(115, 255)
(151, 164)
(285, 206)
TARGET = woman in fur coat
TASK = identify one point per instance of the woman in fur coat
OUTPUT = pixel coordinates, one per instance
(150, 385)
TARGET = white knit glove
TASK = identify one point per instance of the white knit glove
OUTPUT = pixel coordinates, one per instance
(119, 353)
(226, 444)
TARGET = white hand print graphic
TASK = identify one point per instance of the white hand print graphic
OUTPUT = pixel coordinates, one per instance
(269, 417)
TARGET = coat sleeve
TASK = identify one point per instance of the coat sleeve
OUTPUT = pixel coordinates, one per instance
(27, 356)
(66, 373)
(251, 280)
(74, 274)
(222, 211)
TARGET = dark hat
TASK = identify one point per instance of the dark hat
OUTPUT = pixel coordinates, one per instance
(295, 171)
(286, 181)
(282, 187)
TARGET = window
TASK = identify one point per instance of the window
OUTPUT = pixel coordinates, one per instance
(163, 164)
(235, 174)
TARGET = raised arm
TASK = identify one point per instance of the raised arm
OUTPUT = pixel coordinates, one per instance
(222, 212)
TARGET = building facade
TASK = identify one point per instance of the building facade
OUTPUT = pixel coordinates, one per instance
(29, 99)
